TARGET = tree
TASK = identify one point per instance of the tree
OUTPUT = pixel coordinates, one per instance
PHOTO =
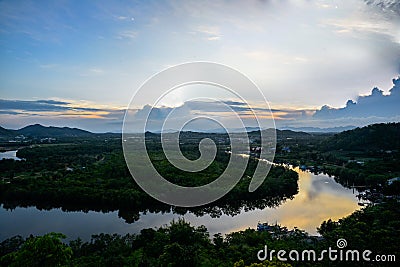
(47, 250)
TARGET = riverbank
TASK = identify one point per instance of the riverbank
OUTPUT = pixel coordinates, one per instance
(319, 198)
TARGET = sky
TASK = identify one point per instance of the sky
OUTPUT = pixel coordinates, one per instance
(78, 63)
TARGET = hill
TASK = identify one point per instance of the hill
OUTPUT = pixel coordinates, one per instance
(382, 136)
(320, 130)
(282, 134)
(40, 131)
(6, 133)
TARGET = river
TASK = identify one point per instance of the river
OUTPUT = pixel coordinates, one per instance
(319, 198)
(12, 154)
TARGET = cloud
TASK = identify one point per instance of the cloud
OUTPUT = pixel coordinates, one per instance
(214, 38)
(94, 71)
(298, 52)
(48, 107)
(18, 113)
(156, 113)
(380, 17)
(127, 34)
(124, 18)
(372, 108)
(212, 33)
(375, 107)
(376, 104)
(201, 115)
(38, 105)
(385, 5)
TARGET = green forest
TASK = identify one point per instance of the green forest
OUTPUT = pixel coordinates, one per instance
(92, 174)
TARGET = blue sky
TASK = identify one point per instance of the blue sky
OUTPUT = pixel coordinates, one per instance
(93, 55)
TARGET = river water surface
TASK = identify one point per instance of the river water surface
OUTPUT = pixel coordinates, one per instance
(319, 198)
(12, 154)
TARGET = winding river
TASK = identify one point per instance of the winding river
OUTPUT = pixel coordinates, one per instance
(319, 199)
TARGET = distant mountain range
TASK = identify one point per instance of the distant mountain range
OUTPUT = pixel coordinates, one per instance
(255, 129)
(296, 129)
(40, 131)
(320, 130)
(383, 136)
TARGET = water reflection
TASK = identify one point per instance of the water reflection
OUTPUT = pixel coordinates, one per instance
(319, 199)
(9, 155)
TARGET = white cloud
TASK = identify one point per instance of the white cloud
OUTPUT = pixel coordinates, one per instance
(210, 30)
(96, 71)
(127, 34)
(124, 18)
(214, 38)
(212, 33)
